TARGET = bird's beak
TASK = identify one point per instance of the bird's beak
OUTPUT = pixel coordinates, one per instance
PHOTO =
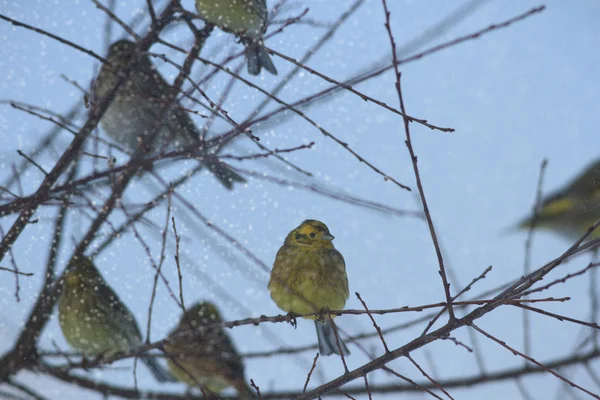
(328, 236)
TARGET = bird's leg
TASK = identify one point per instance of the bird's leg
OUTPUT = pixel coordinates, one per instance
(148, 167)
(240, 37)
(291, 319)
(93, 360)
(98, 358)
(321, 315)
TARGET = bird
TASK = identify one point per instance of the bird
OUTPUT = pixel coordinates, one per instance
(248, 20)
(140, 102)
(201, 354)
(309, 276)
(572, 209)
(94, 320)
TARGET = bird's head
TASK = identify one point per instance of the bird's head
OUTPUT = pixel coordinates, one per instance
(311, 233)
(202, 314)
(121, 53)
(81, 270)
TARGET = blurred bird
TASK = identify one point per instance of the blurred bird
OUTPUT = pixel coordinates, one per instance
(571, 210)
(95, 321)
(140, 102)
(200, 354)
(246, 19)
(308, 276)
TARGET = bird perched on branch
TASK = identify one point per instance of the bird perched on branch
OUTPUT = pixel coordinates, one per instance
(309, 276)
(246, 19)
(94, 320)
(203, 355)
(571, 210)
(140, 102)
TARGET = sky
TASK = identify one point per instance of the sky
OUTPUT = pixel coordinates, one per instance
(515, 97)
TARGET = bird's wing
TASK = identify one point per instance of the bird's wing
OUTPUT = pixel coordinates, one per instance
(222, 349)
(124, 319)
(339, 257)
(211, 350)
(588, 182)
(557, 205)
(152, 87)
(261, 7)
(585, 186)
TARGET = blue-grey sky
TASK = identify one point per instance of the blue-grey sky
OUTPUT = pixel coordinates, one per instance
(514, 97)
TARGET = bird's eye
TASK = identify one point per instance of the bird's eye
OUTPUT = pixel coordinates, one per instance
(312, 235)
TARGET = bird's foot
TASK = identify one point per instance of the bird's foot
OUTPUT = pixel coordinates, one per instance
(291, 319)
(323, 314)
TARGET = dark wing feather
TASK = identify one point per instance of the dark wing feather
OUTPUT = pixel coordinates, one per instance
(339, 256)
(585, 184)
(110, 299)
(220, 347)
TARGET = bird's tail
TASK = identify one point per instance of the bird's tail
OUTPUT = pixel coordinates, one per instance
(258, 57)
(161, 374)
(222, 171)
(327, 341)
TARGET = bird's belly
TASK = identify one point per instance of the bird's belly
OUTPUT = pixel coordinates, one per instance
(186, 366)
(312, 289)
(234, 15)
(127, 124)
(92, 335)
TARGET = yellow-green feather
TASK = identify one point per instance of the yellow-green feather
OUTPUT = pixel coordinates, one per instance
(94, 320)
(237, 16)
(309, 274)
(200, 354)
(91, 316)
(305, 281)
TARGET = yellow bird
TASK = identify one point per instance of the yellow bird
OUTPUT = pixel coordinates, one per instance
(200, 354)
(139, 102)
(308, 276)
(246, 19)
(571, 210)
(95, 321)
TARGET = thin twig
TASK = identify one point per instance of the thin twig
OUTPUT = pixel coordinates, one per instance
(413, 158)
(385, 346)
(113, 17)
(528, 243)
(14, 271)
(38, 166)
(57, 38)
(151, 12)
(255, 386)
(426, 375)
(412, 383)
(310, 372)
(160, 264)
(558, 316)
(367, 387)
(177, 240)
(108, 24)
(465, 289)
(15, 268)
(561, 280)
(530, 359)
(338, 342)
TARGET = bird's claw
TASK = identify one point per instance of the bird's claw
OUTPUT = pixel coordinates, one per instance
(291, 319)
(321, 314)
